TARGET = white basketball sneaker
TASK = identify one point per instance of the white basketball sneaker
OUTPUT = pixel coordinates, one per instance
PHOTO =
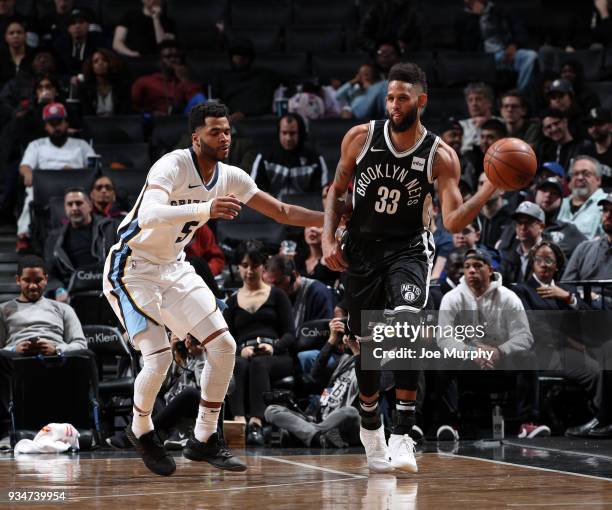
(401, 448)
(376, 449)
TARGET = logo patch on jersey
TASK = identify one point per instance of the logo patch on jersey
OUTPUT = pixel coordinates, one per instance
(418, 164)
(196, 186)
(410, 292)
(372, 149)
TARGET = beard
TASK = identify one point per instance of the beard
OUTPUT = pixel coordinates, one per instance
(209, 151)
(58, 139)
(580, 192)
(406, 123)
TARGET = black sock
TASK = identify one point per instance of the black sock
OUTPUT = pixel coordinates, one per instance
(370, 419)
(405, 417)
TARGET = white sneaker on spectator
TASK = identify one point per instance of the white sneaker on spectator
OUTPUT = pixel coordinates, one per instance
(376, 449)
(531, 430)
(447, 433)
(401, 448)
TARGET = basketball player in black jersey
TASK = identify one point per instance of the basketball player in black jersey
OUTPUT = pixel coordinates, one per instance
(387, 249)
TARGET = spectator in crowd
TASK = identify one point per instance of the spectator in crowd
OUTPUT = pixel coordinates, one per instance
(55, 23)
(453, 271)
(592, 260)
(443, 239)
(310, 299)
(15, 56)
(557, 336)
(259, 318)
(514, 110)
(508, 338)
(451, 132)
(141, 31)
(33, 325)
(336, 420)
(529, 225)
(487, 26)
(54, 152)
(103, 198)
(590, 25)
(479, 100)
(362, 90)
(8, 14)
(493, 218)
(204, 245)
(76, 45)
(491, 131)
(469, 239)
(557, 144)
(104, 91)
(170, 90)
(581, 207)
(290, 166)
(599, 127)
(246, 91)
(392, 20)
(310, 264)
(573, 72)
(549, 194)
(561, 96)
(388, 53)
(82, 243)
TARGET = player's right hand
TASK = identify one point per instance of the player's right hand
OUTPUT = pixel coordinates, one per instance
(333, 256)
(226, 208)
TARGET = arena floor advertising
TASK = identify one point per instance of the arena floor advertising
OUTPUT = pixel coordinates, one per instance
(541, 473)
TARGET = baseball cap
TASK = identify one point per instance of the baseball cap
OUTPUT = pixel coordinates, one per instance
(555, 168)
(530, 209)
(598, 116)
(551, 182)
(78, 15)
(561, 85)
(606, 200)
(450, 123)
(478, 254)
(54, 111)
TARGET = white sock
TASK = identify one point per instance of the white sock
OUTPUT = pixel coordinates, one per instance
(206, 423)
(141, 423)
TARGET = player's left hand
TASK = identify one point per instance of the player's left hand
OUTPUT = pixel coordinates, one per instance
(226, 208)
(46, 347)
(333, 256)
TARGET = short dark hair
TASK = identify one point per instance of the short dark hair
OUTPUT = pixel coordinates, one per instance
(198, 114)
(167, 43)
(515, 93)
(495, 125)
(554, 113)
(254, 249)
(76, 189)
(97, 178)
(30, 261)
(281, 263)
(408, 72)
(556, 249)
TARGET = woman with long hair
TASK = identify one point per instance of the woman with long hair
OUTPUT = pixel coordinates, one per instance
(15, 56)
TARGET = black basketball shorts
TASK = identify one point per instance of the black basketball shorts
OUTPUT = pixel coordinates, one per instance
(387, 275)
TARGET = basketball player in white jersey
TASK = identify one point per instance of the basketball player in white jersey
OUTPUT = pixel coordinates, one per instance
(149, 285)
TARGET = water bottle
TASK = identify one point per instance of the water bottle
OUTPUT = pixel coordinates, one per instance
(498, 424)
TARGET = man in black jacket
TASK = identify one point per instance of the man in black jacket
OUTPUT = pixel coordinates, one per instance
(83, 243)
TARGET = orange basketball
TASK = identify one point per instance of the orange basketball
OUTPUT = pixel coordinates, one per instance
(510, 164)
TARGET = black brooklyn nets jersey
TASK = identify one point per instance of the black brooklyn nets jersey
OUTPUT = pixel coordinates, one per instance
(392, 190)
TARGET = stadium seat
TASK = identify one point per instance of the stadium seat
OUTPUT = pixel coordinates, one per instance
(265, 38)
(142, 66)
(456, 68)
(440, 32)
(250, 225)
(603, 90)
(113, 11)
(204, 66)
(290, 66)
(323, 12)
(131, 155)
(57, 213)
(116, 129)
(330, 130)
(128, 181)
(445, 103)
(311, 201)
(52, 183)
(246, 13)
(200, 38)
(262, 131)
(195, 13)
(167, 131)
(330, 150)
(314, 38)
(312, 335)
(425, 60)
(591, 60)
(341, 66)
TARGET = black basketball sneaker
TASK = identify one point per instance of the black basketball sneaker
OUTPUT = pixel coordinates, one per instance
(215, 452)
(155, 457)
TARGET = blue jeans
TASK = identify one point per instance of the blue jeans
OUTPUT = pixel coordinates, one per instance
(307, 359)
(523, 63)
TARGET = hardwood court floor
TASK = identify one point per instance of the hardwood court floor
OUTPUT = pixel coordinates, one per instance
(106, 480)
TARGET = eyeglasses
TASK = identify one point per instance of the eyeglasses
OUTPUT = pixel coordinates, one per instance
(545, 261)
(467, 231)
(582, 173)
(100, 187)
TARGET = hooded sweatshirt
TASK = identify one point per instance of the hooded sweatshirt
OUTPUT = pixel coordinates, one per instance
(509, 332)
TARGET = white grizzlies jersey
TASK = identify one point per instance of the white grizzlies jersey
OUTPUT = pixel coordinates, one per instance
(178, 174)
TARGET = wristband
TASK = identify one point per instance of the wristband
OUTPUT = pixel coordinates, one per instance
(203, 210)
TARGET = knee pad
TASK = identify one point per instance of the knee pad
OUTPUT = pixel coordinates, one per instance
(220, 358)
(155, 348)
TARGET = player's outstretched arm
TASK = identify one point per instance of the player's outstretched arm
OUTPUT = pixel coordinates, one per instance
(335, 204)
(285, 213)
(456, 214)
(156, 211)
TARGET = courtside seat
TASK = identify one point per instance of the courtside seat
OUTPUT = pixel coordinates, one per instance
(115, 129)
(167, 131)
(132, 155)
